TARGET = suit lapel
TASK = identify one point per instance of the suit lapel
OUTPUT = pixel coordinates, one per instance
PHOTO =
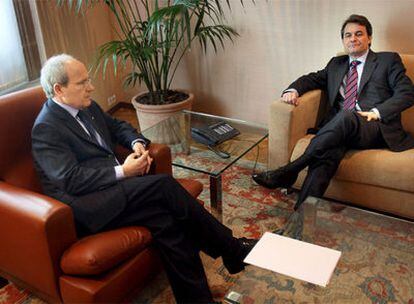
(69, 121)
(342, 69)
(369, 67)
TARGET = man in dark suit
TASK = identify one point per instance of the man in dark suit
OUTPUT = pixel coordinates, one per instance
(73, 142)
(367, 92)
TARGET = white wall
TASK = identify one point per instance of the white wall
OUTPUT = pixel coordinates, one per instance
(281, 40)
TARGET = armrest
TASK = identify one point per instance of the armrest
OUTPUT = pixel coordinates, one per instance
(100, 252)
(162, 158)
(34, 232)
(288, 124)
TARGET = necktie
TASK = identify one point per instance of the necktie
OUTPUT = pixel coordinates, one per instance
(351, 86)
(84, 118)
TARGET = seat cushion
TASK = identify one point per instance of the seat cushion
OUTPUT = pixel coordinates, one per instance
(118, 285)
(378, 167)
(98, 253)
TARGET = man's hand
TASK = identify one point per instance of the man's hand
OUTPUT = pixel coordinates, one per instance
(369, 115)
(135, 165)
(139, 149)
(291, 98)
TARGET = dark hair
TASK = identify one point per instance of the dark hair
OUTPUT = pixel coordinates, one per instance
(359, 19)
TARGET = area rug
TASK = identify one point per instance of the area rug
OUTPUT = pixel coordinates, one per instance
(376, 265)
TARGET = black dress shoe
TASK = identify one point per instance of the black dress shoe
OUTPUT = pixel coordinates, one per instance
(234, 264)
(280, 178)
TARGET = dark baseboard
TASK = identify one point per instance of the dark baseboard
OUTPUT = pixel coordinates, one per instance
(120, 105)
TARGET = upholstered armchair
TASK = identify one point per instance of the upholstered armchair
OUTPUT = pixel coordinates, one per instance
(377, 179)
(40, 250)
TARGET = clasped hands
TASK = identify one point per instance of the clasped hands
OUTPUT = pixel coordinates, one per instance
(137, 163)
(292, 97)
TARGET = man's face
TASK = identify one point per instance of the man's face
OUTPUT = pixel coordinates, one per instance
(76, 93)
(356, 40)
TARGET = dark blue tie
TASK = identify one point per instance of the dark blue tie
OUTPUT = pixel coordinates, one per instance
(87, 122)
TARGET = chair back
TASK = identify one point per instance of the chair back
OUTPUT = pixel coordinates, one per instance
(18, 112)
(407, 117)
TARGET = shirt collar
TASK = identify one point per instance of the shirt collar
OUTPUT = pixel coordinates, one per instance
(361, 59)
(72, 111)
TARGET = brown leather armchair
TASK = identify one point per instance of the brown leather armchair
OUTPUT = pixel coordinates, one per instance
(39, 247)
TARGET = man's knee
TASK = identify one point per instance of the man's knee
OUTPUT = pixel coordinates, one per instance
(167, 178)
(161, 178)
(167, 182)
(344, 120)
(347, 116)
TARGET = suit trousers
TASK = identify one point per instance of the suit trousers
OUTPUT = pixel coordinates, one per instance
(181, 227)
(346, 130)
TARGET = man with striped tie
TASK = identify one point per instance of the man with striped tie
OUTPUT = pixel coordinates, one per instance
(367, 91)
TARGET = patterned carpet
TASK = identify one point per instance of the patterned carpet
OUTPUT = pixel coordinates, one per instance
(376, 266)
(368, 271)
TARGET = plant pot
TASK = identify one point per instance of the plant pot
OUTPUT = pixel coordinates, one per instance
(149, 115)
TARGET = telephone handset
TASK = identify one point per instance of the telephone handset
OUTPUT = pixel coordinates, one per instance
(213, 135)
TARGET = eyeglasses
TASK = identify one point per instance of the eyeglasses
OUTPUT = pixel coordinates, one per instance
(84, 83)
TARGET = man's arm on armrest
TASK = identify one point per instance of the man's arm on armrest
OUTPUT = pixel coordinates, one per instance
(288, 124)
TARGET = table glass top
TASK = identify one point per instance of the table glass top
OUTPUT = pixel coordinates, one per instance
(175, 131)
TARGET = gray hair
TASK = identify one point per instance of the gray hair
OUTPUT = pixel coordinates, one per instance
(53, 71)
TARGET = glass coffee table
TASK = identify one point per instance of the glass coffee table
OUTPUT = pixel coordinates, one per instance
(376, 265)
(175, 131)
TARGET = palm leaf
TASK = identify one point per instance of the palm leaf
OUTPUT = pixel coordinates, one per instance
(156, 38)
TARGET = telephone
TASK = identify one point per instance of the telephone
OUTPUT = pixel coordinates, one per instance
(213, 135)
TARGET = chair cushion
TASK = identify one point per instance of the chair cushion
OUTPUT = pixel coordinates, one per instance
(378, 167)
(98, 253)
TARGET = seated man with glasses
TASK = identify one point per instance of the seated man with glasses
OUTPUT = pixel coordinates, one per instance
(73, 142)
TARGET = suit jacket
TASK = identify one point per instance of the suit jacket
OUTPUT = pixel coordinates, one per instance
(384, 85)
(75, 169)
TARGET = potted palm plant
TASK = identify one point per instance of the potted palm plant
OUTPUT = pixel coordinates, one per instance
(153, 36)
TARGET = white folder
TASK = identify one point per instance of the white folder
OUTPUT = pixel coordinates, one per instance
(308, 262)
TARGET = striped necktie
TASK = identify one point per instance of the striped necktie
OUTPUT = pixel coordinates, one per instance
(351, 88)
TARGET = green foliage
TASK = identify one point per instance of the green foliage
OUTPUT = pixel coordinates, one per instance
(154, 35)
